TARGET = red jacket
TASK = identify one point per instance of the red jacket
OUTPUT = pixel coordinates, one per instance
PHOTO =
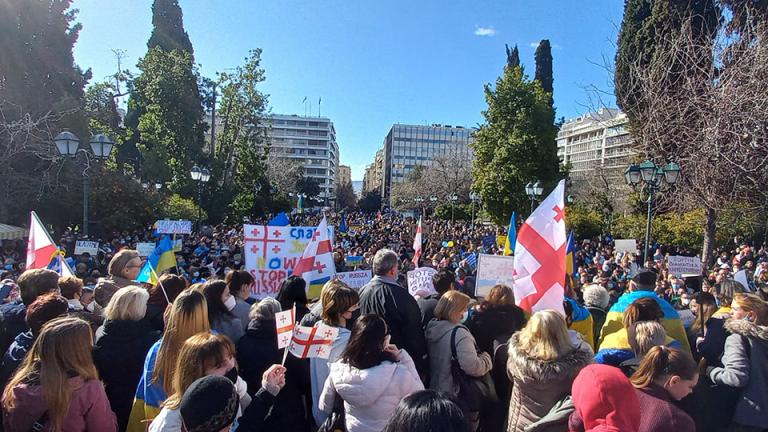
(604, 401)
(657, 414)
(89, 409)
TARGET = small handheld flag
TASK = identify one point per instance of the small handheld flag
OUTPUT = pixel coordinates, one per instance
(314, 341)
(285, 321)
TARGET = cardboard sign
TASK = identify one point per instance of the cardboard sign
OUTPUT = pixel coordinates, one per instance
(353, 260)
(682, 265)
(625, 245)
(174, 226)
(271, 253)
(489, 241)
(420, 282)
(355, 279)
(82, 246)
(493, 270)
(145, 249)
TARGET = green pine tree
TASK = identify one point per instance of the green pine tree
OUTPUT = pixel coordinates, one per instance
(516, 144)
(168, 27)
(544, 65)
(513, 57)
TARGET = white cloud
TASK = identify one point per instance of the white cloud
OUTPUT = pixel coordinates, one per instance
(535, 45)
(485, 31)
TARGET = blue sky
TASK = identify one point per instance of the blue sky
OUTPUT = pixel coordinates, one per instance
(373, 63)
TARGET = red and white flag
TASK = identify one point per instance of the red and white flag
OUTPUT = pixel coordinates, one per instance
(540, 256)
(285, 322)
(316, 263)
(40, 246)
(313, 341)
(417, 245)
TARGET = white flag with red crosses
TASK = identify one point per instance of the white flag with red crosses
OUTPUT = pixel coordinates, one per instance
(316, 263)
(540, 256)
(285, 322)
(313, 341)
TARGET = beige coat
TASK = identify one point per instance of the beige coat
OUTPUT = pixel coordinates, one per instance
(537, 385)
(438, 336)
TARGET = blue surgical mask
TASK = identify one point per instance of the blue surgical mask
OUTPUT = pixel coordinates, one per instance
(465, 316)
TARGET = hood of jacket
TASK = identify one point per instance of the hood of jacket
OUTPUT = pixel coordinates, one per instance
(748, 329)
(565, 367)
(437, 329)
(362, 387)
(21, 345)
(605, 399)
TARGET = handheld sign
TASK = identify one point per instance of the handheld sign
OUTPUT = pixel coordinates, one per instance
(493, 270)
(355, 279)
(145, 249)
(174, 226)
(82, 246)
(420, 282)
(625, 245)
(682, 265)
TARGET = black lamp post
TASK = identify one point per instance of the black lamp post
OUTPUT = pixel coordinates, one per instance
(653, 177)
(67, 144)
(201, 176)
(534, 192)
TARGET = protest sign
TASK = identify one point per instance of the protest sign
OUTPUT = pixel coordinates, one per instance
(353, 260)
(682, 265)
(493, 270)
(488, 241)
(625, 245)
(178, 245)
(271, 253)
(420, 282)
(145, 249)
(174, 226)
(82, 246)
(355, 279)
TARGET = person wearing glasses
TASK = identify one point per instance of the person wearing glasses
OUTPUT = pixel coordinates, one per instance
(123, 269)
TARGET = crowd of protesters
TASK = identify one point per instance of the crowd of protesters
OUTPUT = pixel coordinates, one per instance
(639, 349)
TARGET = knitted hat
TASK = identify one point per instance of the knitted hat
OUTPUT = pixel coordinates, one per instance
(209, 404)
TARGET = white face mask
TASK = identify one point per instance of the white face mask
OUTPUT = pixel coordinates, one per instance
(465, 316)
(90, 306)
(230, 303)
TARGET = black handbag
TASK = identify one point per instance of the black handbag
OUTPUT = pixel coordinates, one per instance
(471, 392)
(336, 422)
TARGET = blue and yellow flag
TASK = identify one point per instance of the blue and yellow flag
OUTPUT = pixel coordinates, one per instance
(570, 261)
(509, 244)
(300, 204)
(162, 258)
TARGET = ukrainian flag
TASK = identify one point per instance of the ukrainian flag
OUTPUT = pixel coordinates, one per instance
(614, 336)
(570, 261)
(162, 258)
(509, 244)
(581, 321)
(149, 395)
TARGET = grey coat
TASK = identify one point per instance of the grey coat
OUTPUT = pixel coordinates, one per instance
(472, 362)
(747, 368)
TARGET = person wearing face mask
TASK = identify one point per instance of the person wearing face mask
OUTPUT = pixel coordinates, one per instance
(745, 362)
(220, 305)
(71, 289)
(204, 354)
(445, 335)
(665, 374)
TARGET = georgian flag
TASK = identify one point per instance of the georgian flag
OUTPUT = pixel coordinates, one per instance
(540, 256)
(417, 245)
(313, 341)
(285, 321)
(40, 247)
(316, 263)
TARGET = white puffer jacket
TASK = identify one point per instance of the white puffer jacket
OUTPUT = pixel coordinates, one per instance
(370, 395)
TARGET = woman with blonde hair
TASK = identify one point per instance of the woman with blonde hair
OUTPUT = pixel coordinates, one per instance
(543, 363)
(57, 387)
(188, 316)
(447, 338)
(201, 355)
(122, 343)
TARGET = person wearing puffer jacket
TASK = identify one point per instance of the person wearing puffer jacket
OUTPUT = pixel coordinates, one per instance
(745, 362)
(604, 401)
(371, 377)
(543, 362)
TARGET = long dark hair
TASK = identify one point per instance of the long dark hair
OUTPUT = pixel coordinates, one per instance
(366, 344)
(237, 280)
(427, 410)
(213, 290)
(292, 291)
(173, 285)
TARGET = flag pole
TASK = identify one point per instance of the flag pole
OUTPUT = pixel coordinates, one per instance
(159, 283)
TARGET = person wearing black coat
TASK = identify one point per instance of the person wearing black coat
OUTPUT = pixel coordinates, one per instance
(256, 352)
(443, 281)
(384, 297)
(496, 319)
(120, 348)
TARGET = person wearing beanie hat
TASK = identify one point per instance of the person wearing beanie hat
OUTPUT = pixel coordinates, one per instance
(604, 401)
(209, 405)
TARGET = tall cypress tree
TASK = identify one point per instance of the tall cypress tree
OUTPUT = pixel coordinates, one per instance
(168, 32)
(513, 57)
(544, 65)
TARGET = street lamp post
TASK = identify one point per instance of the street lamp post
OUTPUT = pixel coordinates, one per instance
(452, 198)
(474, 197)
(67, 144)
(534, 192)
(420, 203)
(201, 176)
(654, 177)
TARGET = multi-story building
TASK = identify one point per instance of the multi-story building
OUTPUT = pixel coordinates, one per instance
(408, 146)
(374, 173)
(596, 142)
(345, 175)
(310, 141)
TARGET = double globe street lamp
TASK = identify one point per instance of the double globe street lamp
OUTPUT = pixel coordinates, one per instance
(68, 144)
(201, 176)
(654, 177)
(534, 192)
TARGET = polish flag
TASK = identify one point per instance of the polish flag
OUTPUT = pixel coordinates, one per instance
(540, 256)
(285, 321)
(313, 341)
(417, 245)
(316, 263)
(40, 246)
